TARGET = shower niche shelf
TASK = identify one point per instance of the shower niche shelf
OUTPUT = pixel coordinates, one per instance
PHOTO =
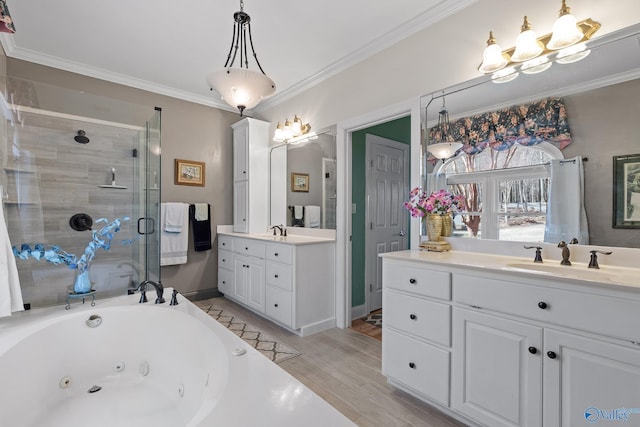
(18, 170)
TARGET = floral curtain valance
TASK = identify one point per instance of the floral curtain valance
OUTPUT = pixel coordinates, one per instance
(528, 124)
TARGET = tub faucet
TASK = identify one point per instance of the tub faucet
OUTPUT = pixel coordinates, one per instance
(142, 287)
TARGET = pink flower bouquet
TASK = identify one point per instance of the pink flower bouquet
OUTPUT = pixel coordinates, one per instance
(439, 202)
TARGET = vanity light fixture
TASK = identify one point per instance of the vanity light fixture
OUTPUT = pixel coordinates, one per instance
(241, 87)
(291, 130)
(529, 49)
(445, 145)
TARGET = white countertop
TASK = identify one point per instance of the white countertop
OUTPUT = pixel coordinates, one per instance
(290, 239)
(577, 272)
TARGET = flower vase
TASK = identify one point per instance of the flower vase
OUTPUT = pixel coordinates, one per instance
(447, 225)
(434, 227)
(82, 285)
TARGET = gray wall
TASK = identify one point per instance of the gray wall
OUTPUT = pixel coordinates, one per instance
(189, 131)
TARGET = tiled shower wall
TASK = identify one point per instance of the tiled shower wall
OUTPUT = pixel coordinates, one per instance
(48, 177)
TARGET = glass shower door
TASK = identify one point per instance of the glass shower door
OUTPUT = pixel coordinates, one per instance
(148, 209)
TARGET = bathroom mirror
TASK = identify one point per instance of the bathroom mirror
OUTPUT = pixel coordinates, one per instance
(303, 182)
(600, 94)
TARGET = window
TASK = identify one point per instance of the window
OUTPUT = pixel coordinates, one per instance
(506, 192)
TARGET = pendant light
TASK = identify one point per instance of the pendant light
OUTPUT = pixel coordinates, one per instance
(241, 87)
(445, 146)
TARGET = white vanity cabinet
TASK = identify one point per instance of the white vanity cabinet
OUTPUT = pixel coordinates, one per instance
(416, 331)
(290, 284)
(525, 351)
(250, 175)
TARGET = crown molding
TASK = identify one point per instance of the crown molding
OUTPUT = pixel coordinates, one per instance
(13, 51)
(440, 11)
(435, 14)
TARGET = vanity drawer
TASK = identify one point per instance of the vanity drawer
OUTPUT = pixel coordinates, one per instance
(280, 253)
(600, 314)
(423, 318)
(417, 280)
(279, 275)
(225, 281)
(225, 242)
(250, 247)
(421, 366)
(225, 259)
(278, 305)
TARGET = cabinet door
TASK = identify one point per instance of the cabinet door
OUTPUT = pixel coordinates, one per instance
(497, 370)
(239, 278)
(240, 207)
(241, 153)
(255, 283)
(588, 380)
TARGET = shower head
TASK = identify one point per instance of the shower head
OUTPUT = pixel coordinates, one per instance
(81, 138)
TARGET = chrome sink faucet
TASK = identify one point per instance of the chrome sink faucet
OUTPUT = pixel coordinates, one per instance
(142, 287)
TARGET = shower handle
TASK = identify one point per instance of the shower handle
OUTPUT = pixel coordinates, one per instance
(147, 221)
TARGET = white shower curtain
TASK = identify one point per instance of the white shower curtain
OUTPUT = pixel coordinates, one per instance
(566, 216)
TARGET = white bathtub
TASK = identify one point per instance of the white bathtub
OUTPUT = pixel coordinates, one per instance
(143, 365)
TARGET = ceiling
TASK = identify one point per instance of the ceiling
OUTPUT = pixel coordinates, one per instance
(167, 47)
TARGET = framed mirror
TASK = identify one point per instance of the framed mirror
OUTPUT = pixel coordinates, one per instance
(303, 182)
(600, 95)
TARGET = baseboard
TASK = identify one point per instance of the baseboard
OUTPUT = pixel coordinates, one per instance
(320, 326)
(358, 311)
(202, 294)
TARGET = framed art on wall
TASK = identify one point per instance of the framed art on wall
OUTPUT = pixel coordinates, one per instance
(189, 172)
(626, 191)
(300, 182)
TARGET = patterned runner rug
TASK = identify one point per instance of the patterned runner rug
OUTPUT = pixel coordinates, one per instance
(254, 336)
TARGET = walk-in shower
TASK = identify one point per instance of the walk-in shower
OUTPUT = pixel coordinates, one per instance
(55, 184)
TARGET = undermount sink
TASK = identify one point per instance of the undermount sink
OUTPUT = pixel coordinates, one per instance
(607, 274)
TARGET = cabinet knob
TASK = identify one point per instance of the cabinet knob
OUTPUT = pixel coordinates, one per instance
(275, 275)
(276, 254)
(412, 365)
(246, 248)
(551, 355)
(275, 305)
(244, 219)
(412, 281)
(543, 305)
(224, 260)
(412, 316)
(243, 265)
(224, 283)
(244, 171)
(533, 350)
(224, 244)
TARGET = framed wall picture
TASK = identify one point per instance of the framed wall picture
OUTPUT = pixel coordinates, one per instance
(626, 191)
(300, 182)
(189, 172)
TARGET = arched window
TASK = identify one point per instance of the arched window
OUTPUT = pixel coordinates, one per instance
(506, 192)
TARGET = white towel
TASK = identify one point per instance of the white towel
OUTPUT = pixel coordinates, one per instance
(297, 212)
(174, 216)
(566, 216)
(312, 216)
(173, 246)
(10, 292)
(202, 211)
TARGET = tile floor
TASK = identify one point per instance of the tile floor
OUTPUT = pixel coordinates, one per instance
(343, 367)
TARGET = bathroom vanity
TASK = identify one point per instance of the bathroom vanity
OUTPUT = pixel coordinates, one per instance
(501, 341)
(287, 279)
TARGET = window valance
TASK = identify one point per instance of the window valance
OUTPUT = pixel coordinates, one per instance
(528, 124)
